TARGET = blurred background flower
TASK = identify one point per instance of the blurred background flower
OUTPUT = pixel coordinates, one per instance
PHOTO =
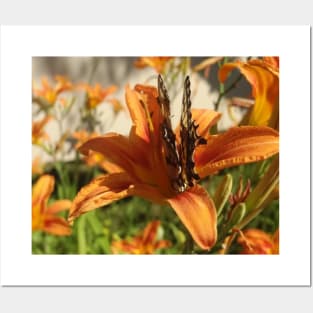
(149, 241)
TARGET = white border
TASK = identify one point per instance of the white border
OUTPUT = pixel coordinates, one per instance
(20, 267)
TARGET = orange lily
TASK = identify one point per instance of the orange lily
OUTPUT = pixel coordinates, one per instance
(50, 93)
(96, 94)
(43, 216)
(38, 133)
(145, 172)
(263, 75)
(145, 243)
(37, 166)
(255, 241)
(117, 106)
(158, 63)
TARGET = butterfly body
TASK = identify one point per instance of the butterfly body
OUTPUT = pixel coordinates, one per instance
(179, 153)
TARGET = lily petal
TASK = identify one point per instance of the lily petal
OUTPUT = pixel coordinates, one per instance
(42, 189)
(158, 63)
(138, 115)
(239, 145)
(117, 149)
(58, 206)
(265, 83)
(205, 118)
(196, 210)
(110, 167)
(158, 165)
(150, 233)
(273, 62)
(150, 95)
(256, 241)
(148, 192)
(101, 191)
(162, 244)
(56, 226)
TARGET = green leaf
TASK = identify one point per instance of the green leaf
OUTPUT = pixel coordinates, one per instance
(81, 235)
(222, 193)
(237, 215)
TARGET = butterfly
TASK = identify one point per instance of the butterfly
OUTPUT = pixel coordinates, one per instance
(179, 154)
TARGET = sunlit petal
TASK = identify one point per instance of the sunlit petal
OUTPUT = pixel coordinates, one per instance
(145, 242)
(205, 118)
(110, 167)
(158, 63)
(239, 145)
(43, 189)
(149, 95)
(138, 114)
(101, 191)
(263, 76)
(256, 241)
(150, 232)
(196, 210)
(117, 149)
(56, 226)
(58, 206)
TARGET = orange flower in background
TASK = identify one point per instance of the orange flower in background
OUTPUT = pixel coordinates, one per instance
(145, 243)
(263, 75)
(38, 133)
(117, 106)
(37, 166)
(96, 94)
(146, 171)
(48, 92)
(82, 136)
(255, 241)
(158, 63)
(44, 216)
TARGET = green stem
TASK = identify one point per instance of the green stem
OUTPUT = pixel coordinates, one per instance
(263, 194)
(81, 235)
(63, 175)
(188, 249)
(225, 91)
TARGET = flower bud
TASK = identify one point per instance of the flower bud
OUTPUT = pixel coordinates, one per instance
(222, 193)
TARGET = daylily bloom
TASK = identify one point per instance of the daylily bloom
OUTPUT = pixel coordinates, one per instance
(96, 94)
(145, 243)
(145, 171)
(255, 241)
(263, 75)
(37, 166)
(44, 216)
(117, 106)
(48, 92)
(158, 63)
(38, 133)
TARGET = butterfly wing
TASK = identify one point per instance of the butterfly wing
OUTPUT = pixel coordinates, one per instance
(189, 139)
(181, 166)
(168, 136)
